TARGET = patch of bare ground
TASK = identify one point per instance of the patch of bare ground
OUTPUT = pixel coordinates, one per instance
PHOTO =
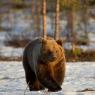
(87, 89)
(3, 58)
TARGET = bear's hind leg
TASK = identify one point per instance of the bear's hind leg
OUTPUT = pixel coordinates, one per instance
(37, 86)
(33, 83)
(31, 79)
(29, 74)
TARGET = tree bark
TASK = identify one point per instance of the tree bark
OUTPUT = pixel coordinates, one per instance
(57, 21)
(44, 19)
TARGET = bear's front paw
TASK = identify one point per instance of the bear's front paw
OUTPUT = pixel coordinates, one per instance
(55, 89)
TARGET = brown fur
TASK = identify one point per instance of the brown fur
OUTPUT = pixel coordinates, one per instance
(44, 64)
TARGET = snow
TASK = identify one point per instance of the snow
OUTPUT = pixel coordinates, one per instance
(79, 76)
(10, 52)
(91, 25)
(90, 47)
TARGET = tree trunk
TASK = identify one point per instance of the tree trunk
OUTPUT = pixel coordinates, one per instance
(36, 16)
(85, 19)
(57, 20)
(44, 19)
(33, 16)
(72, 25)
(0, 23)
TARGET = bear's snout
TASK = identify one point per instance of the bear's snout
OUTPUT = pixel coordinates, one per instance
(51, 56)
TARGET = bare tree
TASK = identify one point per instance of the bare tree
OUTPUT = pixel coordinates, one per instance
(44, 19)
(85, 17)
(38, 16)
(0, 22)
(57, 30)
(72, 24)
(33, 15)
(36, 8)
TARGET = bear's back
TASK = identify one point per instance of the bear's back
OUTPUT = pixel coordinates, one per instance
(32, 51)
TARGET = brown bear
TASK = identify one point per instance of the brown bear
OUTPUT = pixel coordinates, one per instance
(44, 64)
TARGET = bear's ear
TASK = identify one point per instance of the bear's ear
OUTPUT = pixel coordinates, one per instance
(60, 42)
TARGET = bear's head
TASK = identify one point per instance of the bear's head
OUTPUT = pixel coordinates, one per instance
(51, 50)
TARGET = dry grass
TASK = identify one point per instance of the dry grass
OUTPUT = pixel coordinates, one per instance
(17, 43)
(83, 56)
(3, 58)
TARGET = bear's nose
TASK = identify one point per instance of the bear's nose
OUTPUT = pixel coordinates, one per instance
(51, 56)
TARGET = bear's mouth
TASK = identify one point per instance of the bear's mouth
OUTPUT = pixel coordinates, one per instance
(51, 58)
(48, 59)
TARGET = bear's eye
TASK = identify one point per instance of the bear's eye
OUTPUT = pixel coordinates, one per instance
(56, 51)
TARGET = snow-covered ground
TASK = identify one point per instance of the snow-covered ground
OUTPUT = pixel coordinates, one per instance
(79, 76)
(10, 52)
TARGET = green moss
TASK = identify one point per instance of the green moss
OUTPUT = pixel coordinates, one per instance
(77, 51)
